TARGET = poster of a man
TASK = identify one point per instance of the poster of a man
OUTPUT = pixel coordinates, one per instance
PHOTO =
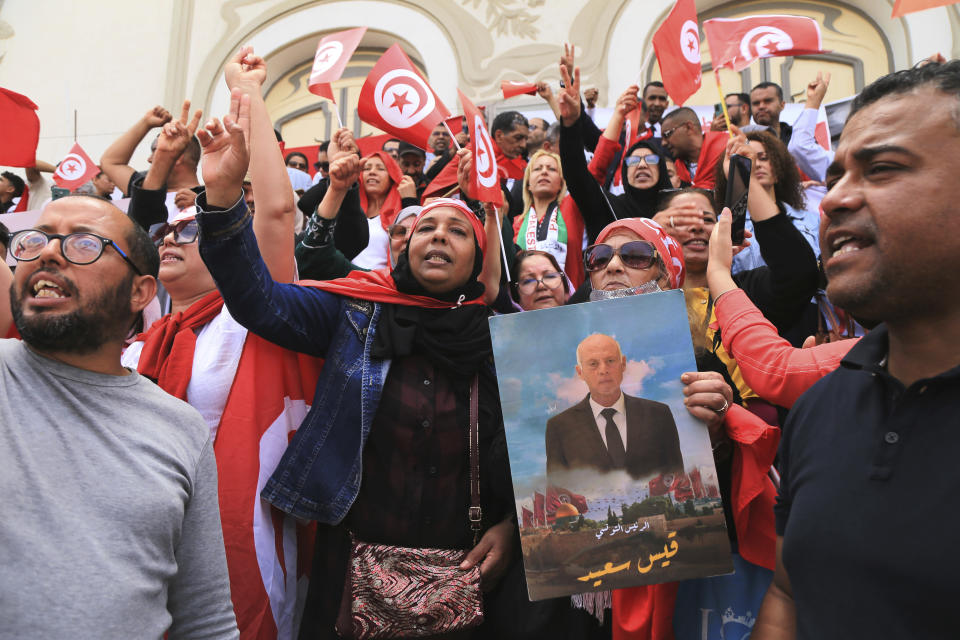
(614, 479)
(609, 430)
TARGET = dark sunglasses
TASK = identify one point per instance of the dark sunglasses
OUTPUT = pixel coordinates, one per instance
(638, 254)
(184, 232)
(323, 166)
(651, 159)
(297, 165)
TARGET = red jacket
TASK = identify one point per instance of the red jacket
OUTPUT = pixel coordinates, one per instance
(771, 366)
(711, 154)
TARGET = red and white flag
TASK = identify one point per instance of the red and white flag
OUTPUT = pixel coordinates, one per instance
(333, 54)
(677, 45)
(485, 181)
(903, 7)
(19, 130)
(736, 43)
(511, 88)
(268, 553)
(75, 169)
(396, 99)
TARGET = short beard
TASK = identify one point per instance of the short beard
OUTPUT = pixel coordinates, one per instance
(79, 332)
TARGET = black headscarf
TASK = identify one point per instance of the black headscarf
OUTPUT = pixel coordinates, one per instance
(457, 339)
(641, 203)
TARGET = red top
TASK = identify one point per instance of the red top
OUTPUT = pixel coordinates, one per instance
(771, 366)
(711, 153)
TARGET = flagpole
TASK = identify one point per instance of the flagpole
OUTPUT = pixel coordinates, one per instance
(74, 125)
(337, 111)
(723, 101)
(450, 131)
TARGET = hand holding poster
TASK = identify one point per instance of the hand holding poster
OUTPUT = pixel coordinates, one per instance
(616, 478)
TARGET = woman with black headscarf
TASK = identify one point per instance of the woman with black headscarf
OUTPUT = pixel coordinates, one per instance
(382, 454)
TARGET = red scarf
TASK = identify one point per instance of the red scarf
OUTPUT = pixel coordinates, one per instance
(391, 205)
(379, 286)
(513, 167)
(168, 345)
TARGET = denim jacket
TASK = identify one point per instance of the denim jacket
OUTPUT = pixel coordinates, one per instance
(318, 477)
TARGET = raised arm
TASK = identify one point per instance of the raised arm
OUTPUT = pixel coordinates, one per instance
(545, 92)
(317, 256)
(295, 317)
(276, 210)
(609, 144)
(492, 265)
(585, 191)
(812, 159)
(115, 160)
(775, 369)
(148, 197)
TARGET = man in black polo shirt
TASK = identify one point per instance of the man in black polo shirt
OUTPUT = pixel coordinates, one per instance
(866, 517)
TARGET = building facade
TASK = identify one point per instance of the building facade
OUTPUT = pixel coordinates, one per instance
(94, 68)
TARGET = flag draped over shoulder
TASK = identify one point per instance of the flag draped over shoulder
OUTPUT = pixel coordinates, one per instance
(268, 553)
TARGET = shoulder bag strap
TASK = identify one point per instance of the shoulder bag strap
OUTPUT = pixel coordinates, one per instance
(475, 513)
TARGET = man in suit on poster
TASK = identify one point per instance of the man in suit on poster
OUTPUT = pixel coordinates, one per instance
(609, 430)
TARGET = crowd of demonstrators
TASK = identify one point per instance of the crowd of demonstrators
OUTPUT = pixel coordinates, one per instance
(378, 309)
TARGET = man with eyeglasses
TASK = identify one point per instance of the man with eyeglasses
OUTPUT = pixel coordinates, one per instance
(111, 524)
(696, 153)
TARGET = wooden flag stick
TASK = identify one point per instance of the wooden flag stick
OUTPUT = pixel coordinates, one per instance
(723, 101)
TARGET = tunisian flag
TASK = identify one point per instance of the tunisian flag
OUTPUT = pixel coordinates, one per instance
(75, 168)
(677, 45)
(511, 88)
(737, 42)
(333, 54)
(268, 553)
(485, 180)
(396, 99)
(19, 130)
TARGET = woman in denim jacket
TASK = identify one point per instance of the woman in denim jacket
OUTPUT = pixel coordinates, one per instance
(383, 450)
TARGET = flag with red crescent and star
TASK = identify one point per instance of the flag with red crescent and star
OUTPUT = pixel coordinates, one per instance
(75, 169)
(396, 99)
(333, 54)
(485, 179)
(677, 45)
(737, 42)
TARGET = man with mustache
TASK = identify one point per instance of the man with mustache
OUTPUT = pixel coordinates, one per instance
(111, 525)
(859, 448)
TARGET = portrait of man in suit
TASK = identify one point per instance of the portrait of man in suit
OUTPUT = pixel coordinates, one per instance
(609, 430)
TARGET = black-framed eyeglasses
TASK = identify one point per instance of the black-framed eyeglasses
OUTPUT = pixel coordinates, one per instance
(651, 159)
(551, 280)
(81, 247)
(184, 232)
(638, 254)
(666, 134)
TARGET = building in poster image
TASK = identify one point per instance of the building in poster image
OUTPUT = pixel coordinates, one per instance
(603, 501)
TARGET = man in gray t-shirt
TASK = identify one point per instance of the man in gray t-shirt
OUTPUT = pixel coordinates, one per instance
(110, 526)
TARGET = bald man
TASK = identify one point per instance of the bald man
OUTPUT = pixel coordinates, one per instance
(111, 525)
(609, 430)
